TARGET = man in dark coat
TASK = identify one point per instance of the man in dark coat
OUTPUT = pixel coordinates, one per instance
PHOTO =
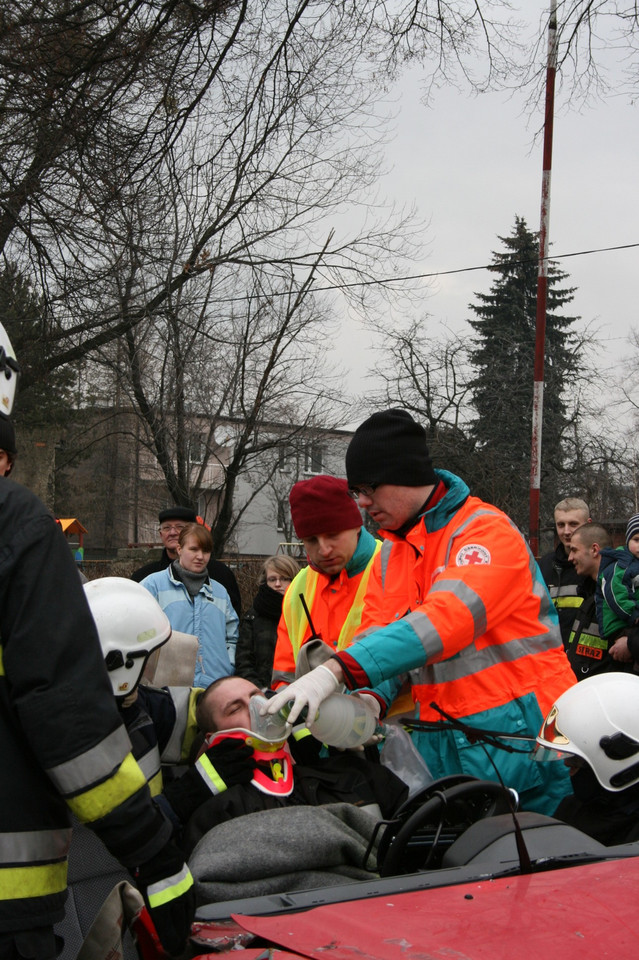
(558, 571)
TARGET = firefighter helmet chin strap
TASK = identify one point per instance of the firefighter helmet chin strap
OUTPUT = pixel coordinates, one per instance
(273, 771)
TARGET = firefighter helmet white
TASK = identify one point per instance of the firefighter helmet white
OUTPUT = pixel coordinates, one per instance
(131, 625)
(8, 372)
(597, 720)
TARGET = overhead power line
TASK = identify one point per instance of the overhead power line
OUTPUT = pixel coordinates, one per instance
(435, 273)
(483, 266)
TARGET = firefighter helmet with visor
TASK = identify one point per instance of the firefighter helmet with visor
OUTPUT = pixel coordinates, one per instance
(598, 721)
(131, 625)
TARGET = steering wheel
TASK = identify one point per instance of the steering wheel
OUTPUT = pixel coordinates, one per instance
(419, 798)
(448, 809)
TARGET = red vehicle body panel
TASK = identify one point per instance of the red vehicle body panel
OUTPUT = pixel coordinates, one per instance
(578, 913)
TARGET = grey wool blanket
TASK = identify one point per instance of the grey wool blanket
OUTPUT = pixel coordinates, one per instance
(288, 848)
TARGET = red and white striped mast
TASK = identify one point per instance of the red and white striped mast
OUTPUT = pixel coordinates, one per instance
(542, 284)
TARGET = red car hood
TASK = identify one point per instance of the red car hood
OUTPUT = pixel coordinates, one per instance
(578, 913)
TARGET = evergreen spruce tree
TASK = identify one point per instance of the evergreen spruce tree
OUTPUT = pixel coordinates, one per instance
(502, 355)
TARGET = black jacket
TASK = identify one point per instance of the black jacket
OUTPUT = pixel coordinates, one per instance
(62, 743)
(258, 635)
(217, 571)
(588, 651)
(563, 584)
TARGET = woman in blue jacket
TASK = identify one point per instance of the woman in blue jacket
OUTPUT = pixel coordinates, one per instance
(197, 605)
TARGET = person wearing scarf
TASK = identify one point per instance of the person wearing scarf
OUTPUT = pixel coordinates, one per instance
(258, 628)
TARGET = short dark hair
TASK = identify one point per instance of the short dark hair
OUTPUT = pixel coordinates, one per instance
(203, 713)
(591, 533)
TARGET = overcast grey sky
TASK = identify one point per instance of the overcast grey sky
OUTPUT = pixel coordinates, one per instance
(470, 164)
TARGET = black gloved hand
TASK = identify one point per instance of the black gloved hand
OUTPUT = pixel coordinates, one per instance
(224, 765)
(167, 886)
(305, 748)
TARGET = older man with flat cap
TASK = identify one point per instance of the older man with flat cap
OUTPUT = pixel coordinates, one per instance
(455, 597)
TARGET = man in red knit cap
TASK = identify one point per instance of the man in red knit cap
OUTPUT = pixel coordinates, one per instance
(340, 556)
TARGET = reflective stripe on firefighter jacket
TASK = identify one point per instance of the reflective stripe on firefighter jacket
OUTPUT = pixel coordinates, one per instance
(564, 585)
(468, 615)
(335, 605)
(62, 744)
(162, 728)
(588, 652)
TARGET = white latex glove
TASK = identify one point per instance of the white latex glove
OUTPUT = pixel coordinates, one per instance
(309, 691)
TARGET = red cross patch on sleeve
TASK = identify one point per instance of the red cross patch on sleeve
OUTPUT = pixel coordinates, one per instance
(472, 553)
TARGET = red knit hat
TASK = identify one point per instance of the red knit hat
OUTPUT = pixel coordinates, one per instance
(322, 505)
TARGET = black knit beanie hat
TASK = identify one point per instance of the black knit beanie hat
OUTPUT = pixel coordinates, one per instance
(632, 528)
(7, 435)
(389, 447)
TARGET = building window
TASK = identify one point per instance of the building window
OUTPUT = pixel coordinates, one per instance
(282, 515)
(197, 448)
(313, 457)
(283, 454)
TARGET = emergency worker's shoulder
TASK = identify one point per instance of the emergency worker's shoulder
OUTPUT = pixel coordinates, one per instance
(485, 534)
(23, 518)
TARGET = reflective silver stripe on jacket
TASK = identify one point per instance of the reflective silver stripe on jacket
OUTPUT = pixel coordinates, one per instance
(471, 660)
(34, 846)
(471, 600)
(564, 590)
(92, 766)
(384, 555)
(429, 637)
(168, 889)
(150, 763)
(181, 697)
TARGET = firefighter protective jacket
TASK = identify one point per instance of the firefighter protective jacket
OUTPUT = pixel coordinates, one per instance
(162, 728)
(461, 604)
(588, 650)
(335, 605)
(563, 584)
(62, 742)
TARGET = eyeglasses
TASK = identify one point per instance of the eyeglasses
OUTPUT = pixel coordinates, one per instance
(366, 490)
(278, 579)
(172, 527)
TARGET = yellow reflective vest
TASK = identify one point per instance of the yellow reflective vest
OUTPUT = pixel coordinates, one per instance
(335, 604)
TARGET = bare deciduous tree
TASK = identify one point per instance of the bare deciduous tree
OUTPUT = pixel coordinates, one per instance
(101, 100)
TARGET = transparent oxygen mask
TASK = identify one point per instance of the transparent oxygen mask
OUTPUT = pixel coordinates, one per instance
(269, 728)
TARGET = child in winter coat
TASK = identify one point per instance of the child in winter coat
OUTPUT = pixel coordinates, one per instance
(617, 596)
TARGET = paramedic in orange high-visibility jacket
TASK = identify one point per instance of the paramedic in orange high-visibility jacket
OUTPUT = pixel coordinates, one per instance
(456, 598)
(340, 555)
